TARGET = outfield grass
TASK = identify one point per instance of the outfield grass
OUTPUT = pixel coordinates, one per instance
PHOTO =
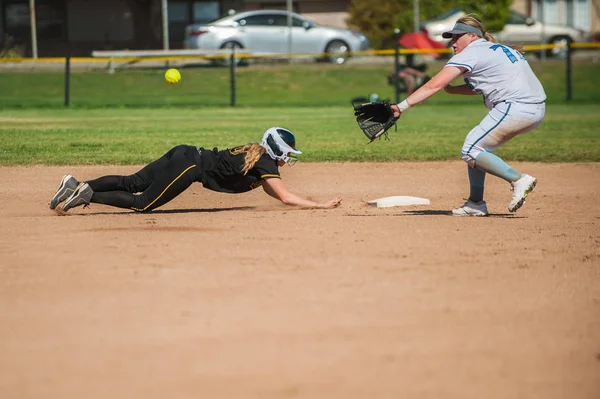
(257, 86)
(133, 116)
(429, 132)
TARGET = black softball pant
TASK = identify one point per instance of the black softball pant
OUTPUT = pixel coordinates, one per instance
(154, 185)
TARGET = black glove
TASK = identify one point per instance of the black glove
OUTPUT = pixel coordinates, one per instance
(375, 118)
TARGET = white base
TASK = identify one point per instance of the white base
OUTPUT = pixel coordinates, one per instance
(401, 200)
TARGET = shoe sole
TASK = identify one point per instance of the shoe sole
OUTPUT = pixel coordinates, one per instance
(524, 198)
(470, 214)
(62, 193)
(59, 211)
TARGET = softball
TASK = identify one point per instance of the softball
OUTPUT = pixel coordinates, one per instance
(172, 76)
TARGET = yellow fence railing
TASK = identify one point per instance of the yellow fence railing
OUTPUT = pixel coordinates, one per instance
(175, 57)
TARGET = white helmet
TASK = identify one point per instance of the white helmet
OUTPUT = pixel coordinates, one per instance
(280, 143)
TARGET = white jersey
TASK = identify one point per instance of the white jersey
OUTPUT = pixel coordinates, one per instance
(498, 72)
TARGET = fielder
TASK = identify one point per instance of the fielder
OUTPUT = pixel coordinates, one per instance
(235, 170)
(512, 93)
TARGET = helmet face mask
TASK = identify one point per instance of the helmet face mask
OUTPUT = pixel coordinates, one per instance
(291, 161)
(279, 144)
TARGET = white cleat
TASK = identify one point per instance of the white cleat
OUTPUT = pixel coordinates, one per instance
(521, 188)
(471, 208)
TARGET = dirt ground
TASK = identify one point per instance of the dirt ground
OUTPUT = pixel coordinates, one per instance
(238, 296)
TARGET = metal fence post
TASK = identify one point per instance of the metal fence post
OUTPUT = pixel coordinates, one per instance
(232, 75)
(67, 79)
(67, 59)
(396, 63)
(568, 69)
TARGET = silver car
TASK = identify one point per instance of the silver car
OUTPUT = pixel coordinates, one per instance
(519, 29)
(267, 31)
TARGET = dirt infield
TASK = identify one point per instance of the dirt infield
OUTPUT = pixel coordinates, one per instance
(236, 296)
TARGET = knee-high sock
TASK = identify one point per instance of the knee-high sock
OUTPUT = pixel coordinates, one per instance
(477, 182)
(490, 163)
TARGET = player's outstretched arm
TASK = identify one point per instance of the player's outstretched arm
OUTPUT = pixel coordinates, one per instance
(441, 80)
(276, 189)
(462, 89)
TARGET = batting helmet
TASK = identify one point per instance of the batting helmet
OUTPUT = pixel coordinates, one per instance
(280, 143)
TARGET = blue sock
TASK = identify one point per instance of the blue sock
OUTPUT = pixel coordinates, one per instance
(490, 163)
(477, 182)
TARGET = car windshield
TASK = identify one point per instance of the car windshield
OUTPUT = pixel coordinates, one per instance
(223, 20)
(517, 18)
(447, 14)
(232, 19)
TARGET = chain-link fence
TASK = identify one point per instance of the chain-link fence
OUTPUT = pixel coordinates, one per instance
(257, 80)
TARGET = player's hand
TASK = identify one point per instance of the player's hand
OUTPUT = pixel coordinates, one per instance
(331, 203)
(396, 110)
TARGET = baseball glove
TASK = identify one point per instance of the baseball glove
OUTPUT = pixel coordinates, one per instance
(375, 118)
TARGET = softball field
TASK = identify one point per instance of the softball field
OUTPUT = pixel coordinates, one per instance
(236, 296)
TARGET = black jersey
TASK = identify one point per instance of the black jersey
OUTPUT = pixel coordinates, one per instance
(222, 170)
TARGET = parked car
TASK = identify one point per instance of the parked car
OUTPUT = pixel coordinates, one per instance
(519, 29)
(266, 31)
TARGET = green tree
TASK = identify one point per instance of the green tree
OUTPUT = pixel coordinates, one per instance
(494, 14)
(378, 18)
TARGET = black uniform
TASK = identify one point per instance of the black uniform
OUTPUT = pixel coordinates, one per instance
(164, 179)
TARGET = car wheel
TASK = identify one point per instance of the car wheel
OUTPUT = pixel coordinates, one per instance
(559, 52)
(227, 60)
(337, 52)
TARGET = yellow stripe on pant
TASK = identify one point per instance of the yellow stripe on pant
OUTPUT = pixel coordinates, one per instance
(161, 194)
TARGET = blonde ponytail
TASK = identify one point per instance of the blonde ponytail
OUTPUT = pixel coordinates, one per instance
(253, 153)
(473, 20)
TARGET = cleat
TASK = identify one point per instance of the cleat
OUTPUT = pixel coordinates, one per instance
(81, 196)
(521, 188)
(68, 184)
(471, 208)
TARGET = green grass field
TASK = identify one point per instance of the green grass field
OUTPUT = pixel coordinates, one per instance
(133, 116)
(429, 132)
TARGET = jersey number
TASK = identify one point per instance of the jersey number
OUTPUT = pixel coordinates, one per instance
(508, 52)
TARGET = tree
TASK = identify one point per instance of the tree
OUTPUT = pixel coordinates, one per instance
(378, 18)
(494, 14)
